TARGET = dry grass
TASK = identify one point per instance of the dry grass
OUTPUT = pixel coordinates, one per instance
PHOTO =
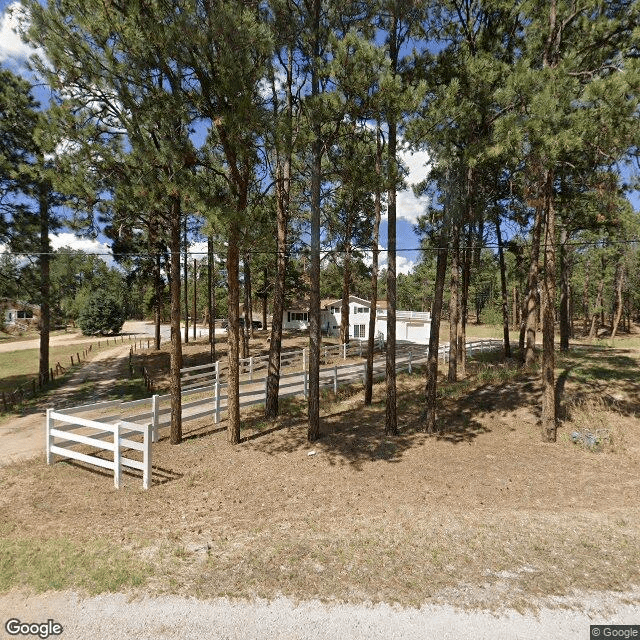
(483, 514)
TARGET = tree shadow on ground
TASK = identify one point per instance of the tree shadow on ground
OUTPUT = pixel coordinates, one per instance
(356, 436)
(159, 475)
(611, 378)
(459, 416)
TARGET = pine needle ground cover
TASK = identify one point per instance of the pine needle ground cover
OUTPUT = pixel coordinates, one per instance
(482, 514)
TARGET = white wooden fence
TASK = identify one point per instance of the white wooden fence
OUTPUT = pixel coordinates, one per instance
(203, 395)
(114, 438)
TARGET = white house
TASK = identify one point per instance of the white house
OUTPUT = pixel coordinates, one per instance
(411, 326)
(18, 312)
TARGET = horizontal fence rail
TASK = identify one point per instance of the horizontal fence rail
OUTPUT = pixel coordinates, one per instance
(112, 438)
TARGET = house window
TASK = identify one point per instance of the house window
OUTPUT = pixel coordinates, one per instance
(360, 310)
(25, 314)
(358, 330)
(335, 310)
(301, 316)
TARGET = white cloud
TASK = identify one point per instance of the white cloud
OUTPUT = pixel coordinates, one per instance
(408, 207)
(59, 240)
(403, 265)
(12, 47)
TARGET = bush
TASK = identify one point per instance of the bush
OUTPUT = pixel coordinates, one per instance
(101, 314)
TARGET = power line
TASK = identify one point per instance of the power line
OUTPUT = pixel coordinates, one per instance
(426, 248)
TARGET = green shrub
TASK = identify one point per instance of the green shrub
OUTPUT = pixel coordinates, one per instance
(101, 314)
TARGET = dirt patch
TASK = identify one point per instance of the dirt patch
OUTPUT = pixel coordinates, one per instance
(483, 514)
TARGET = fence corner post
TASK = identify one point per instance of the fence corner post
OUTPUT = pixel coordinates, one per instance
(335, 378)
(344, 351)
(305, 383)
(117, 458)
(146, 456)
(410, 369)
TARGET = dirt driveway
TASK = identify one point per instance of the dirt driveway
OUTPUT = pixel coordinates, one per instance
(23, 437)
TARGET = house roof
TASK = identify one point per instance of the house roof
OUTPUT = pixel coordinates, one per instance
(333, 301)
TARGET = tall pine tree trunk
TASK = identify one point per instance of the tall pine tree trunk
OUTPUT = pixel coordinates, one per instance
(45, 281)
(434, 338)
(248, 311)
(463, 306)
(585, 298)
(186, 283)
(549, 424)
(593, 331)
(391, 413)
(157, 285)
(503, 287)
(313, 429)
(368, 383)
(565, 325)
(346, 281)
(283, 190)
(532, 299)
(454, 301)
(233, 332)
(619, 280)
(211, 298)
(176, 344)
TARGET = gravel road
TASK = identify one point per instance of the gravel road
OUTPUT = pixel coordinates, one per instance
(108, 617)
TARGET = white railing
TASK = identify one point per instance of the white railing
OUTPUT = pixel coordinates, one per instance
(114, 438)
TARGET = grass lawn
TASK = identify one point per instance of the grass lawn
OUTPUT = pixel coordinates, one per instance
(481, 514)
(22, 365)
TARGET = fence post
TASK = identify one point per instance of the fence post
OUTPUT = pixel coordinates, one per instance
(335, 378)
(364, 372)
(360, 349)
(325, 355)
(304, 383)
(146, 456)
(251, 368)
(304, 359)
(117, 461)
(410, 369)
(155, 416)
(216, 391)
(344, 351)
(266, 380)
(49, 424)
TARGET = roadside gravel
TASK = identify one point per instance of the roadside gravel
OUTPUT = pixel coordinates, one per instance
(108, 617)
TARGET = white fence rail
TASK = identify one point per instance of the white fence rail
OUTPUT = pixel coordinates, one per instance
(114, 438)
